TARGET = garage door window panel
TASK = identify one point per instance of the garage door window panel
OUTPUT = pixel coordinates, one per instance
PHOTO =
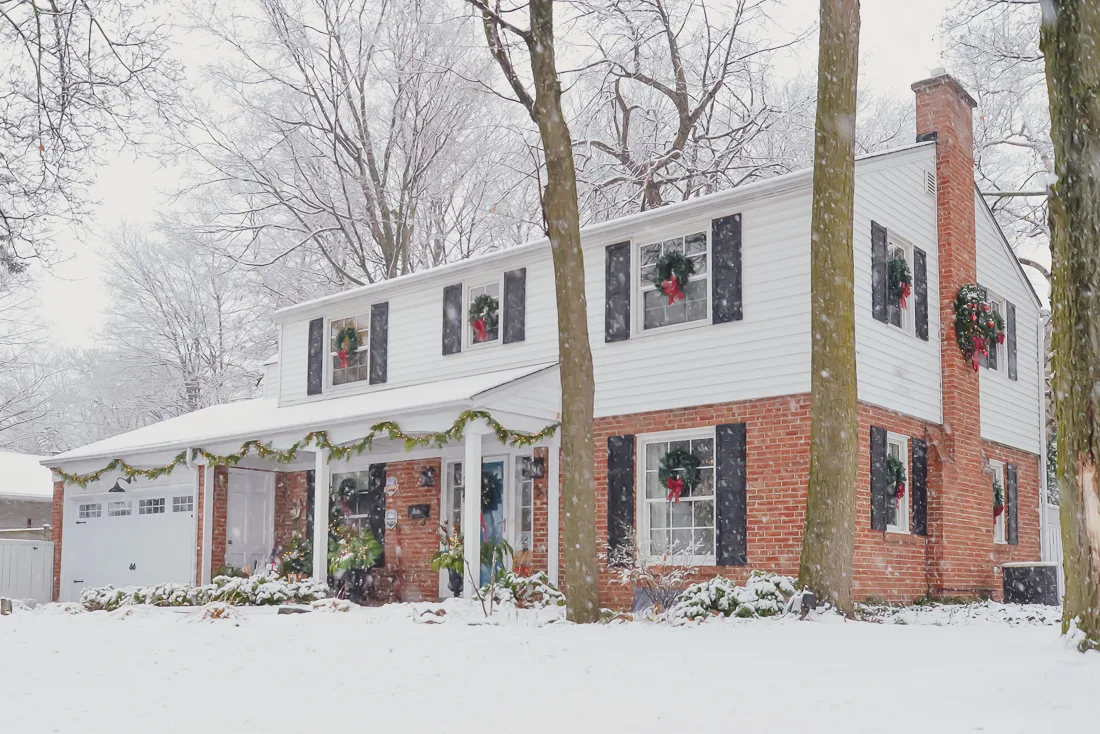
(90, 510)
(120, 509)
(153, 506)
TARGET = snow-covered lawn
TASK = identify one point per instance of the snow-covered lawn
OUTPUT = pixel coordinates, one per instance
(378, 670)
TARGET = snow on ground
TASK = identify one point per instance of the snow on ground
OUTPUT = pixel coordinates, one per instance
(385, 670)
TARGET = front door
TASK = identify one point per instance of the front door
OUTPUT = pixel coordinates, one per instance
(493, 528)
(250, 519)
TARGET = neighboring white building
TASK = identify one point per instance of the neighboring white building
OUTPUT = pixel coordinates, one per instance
(26, 491)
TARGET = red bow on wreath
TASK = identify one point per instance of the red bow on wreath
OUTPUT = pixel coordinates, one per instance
(675, 488)
(671, 288)
(1000, 337)
(343, 355)
(900, 491)
(998, 510)
(905, 292)
(479, 329)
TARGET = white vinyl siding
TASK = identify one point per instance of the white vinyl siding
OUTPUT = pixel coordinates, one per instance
(895, 369)
(1010, 408)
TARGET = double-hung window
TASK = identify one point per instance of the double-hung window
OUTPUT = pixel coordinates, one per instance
(897, 508)
(524, 506)
(658, 308)
(349, 366)
(676, 532)
(483, 326)
(901, 318)
(999, 519)
(997, 359)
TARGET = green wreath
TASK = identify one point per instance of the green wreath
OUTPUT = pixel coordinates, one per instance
(895, 472)
(998, 498)
(977, 325)
(483, 316)
(901, 281)
(492, 487)
(347, 344)
(671, 273)
(678, 472)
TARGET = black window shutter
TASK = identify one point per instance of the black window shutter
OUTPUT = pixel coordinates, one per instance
(879, 479)
(731, 510)
(918, 485)
(515, 305)
(452, 319)
(620, 499)
(379, 342)
(725, 249)
(879, 281)
(1012, 528)
(920, 293)
(315, 367)
(617, 281)
(1010, 339)
(376, 513)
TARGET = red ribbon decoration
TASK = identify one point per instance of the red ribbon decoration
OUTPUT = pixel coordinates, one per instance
(1000, 337)
(343, 355)
(479, 330)
(974, 361)
(675, 488)
(900, 491)
(671, 288)
(998, 510)
(905, 293)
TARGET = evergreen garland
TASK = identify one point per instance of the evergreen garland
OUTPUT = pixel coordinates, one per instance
(671, 272)
(320, 440)
(901, 281)
(483, 316)
(998, 497)
(895, 471)
(678, 472)
(977, 325)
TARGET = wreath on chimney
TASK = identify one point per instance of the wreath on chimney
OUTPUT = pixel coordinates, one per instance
(483, 316)
(671, 273)
(678, 472)
(998, 498)
(895, 471)
(901, 281)
(347, 344)
(977, 325)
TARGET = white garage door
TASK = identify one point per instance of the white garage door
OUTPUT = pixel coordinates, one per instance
(132, 539)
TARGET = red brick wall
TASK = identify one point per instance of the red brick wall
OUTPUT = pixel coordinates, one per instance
(57, 518)
(410, 545)
(218, 521)
(291, 497)
(540, 515)
(199, 506)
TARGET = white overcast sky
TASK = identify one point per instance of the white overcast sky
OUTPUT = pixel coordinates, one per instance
(899, 44)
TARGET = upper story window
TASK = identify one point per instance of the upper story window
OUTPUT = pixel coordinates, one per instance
(483, 313)
(898, 251)
(675, 303)
(996, 359)
(897, 498)
(349, 364)
(677, 532)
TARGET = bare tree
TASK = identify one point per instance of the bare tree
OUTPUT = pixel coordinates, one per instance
(350, 132)
(828, 544)
(507, 40)
(75, 75)
(24, 380)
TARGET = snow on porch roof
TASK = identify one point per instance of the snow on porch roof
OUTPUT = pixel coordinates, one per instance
(262, 418)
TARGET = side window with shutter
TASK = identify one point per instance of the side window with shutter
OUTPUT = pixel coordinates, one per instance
(919, 485)
(731, 495)
(879, 280)
(515, 306)
(726, 255)
(620, 500)
(879, 478)
(617, 284)
(452, 319)
(1010, 340)
(379, 342)
(315, 356)
(920, 293)
(1012, 505)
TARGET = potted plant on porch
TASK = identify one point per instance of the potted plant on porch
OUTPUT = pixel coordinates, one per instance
(350, 561)
(450, 557)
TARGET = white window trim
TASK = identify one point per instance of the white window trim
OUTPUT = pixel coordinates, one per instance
(908, 317)
(637, 287)
(998, 470)
(467, 336)
(903, 442)
(641, 516)
(329, 354)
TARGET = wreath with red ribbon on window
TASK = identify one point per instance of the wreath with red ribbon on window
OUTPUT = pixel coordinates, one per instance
(483, 316)
(671, 273)
(895, 471)
(998, 497)
(977, 325)
(347, 344)
(678, 472)
(901, 281)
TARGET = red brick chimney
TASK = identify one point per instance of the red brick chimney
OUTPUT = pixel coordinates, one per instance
(959, 524)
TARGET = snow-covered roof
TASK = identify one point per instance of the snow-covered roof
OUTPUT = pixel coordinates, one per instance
(23, 476)
(263, 418)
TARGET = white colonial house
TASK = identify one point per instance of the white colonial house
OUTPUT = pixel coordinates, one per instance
(720, 373)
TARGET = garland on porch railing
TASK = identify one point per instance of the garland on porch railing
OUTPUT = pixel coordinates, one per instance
(320, 439)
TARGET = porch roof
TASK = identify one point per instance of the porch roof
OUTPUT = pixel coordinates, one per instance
(262, 418)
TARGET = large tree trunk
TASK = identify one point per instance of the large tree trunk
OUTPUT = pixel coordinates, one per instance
(559, 202)
(1070, 41)
(829, 540)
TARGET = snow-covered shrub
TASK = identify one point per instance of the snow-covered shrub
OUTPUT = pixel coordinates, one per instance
(259, 590)
(526, 592)
(763, 595)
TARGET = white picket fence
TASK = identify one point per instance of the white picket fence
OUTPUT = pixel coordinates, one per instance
(26, 569)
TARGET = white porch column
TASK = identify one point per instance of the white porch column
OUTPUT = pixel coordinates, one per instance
(320, 515)
(553, 508)
(207, 521)
(471, 508)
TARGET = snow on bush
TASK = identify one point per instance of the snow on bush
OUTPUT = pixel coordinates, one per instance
(763, 595)
(525, 592)
(258, 590)
(985, 612)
